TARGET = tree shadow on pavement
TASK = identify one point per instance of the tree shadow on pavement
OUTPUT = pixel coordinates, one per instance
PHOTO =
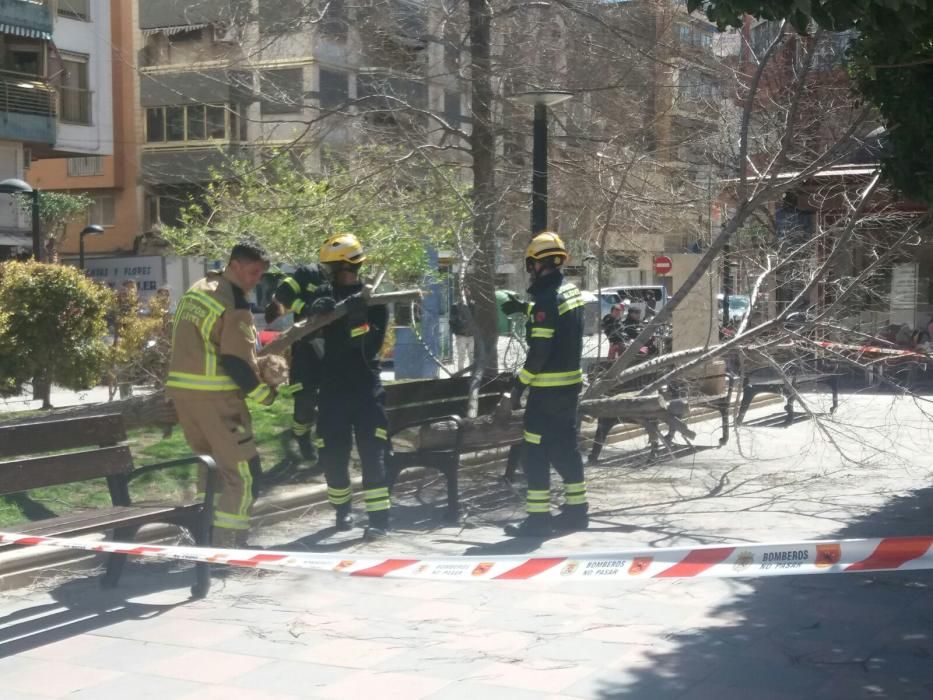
(832, 637)
(640, 458)
(779, 420)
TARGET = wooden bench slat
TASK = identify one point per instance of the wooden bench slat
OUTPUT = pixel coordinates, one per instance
(38, 472)
(106, 519)
(66, 434)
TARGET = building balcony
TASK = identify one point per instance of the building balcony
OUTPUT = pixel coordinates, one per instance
(166, 164)
(26, 18)
(162, 14)
(27, 109)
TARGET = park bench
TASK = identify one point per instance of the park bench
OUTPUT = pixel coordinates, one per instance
(680, 398)
(801, 371)
(432, 413)
(73, 450)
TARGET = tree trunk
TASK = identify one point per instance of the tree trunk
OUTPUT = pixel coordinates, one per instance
(483, 147)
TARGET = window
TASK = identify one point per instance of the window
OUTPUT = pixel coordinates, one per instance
(452, 108)
(74, 95)
(762, 35)
(334, 22)
(282, 91)
(75, 9)
(335, 89)
(695, 36)
(181, 123)
(88, 165)
(23, 59)
(101, 211)
(698, 86)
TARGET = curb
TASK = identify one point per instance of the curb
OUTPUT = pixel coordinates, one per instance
(26, 567)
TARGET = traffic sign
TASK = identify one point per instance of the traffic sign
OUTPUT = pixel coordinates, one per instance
(662, 265)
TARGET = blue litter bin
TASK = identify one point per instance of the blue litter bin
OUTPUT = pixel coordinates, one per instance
(411, 358)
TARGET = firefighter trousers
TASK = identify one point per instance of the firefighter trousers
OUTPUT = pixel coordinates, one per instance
(345, 414)
(550, 440)
(219, 425)
(305, 370)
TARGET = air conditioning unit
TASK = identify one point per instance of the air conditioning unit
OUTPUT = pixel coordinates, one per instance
(225, 34)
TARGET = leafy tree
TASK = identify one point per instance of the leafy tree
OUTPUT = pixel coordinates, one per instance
(56, 211)
(52, 327)
(292, 213)
(891, 62)
(141, 343)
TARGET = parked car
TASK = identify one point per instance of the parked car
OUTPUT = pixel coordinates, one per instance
(739, 305)
(638, 294)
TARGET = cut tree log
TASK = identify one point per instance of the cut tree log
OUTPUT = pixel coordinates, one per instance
(493, 431)
(310, 325)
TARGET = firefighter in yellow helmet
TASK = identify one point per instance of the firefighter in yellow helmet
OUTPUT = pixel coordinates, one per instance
(553, 378)
(213, 369)
(351, 394)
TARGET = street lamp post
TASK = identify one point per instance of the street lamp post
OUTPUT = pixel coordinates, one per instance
(16, 186)
(92, 230)
(540, 100)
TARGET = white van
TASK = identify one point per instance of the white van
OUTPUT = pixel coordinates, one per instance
(639, 296)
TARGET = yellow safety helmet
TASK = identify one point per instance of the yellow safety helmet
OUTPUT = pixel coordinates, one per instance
(342, 247)
(546, 245)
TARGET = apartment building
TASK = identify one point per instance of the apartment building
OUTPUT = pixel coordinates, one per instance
(56, 100)
(96, 150)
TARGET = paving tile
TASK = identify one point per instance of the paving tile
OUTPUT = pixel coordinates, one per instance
(291, 677)
(173, 630)
(534, 675)
(124, 654)
(48, 678)
(365, 684)
(490, 641)
(205, 666)
(67, 649)
(229, 692)
(350, 653)
(472, 690)
(139, 685)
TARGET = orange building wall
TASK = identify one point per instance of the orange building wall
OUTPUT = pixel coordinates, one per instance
(121, 170)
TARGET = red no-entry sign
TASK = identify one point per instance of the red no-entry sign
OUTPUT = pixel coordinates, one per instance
(662, 265)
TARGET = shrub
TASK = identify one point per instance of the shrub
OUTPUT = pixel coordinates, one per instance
(52, 327)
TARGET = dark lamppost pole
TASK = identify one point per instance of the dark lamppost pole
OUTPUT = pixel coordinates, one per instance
(16, 186)
(92, 230)
(540, 100)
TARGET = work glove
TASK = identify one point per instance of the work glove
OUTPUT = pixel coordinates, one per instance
(323, 305)
(515, 398)
(272, 311)
(513, 305)
(356, 309)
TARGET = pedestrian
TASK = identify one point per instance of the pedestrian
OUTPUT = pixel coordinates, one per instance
(213, 369)
(553, 372)
(352, 396)
(612, 327)
(296, 292)
(461, 325)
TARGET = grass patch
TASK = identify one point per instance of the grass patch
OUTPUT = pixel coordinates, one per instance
(148, 447)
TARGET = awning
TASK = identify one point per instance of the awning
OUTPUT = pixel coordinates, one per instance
(25, 31)
(172, 31)
(7, 239)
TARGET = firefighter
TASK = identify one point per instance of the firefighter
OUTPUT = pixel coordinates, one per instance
(552, 371)
(296, 293)
(212, 370)
(351, 396)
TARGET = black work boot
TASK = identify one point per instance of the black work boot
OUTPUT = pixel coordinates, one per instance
(306, 447)
(535, 525)
(344, 517)
(378, 525)
(573, 518)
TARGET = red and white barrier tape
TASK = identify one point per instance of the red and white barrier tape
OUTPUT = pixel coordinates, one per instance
(871, 350)
(718, 561)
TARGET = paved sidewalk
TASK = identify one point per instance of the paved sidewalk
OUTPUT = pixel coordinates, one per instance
(271, 635)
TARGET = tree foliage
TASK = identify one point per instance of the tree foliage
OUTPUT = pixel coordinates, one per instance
(141, 343)
(292, 213)
(56, 211)
(891, 62)
(52, 326)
